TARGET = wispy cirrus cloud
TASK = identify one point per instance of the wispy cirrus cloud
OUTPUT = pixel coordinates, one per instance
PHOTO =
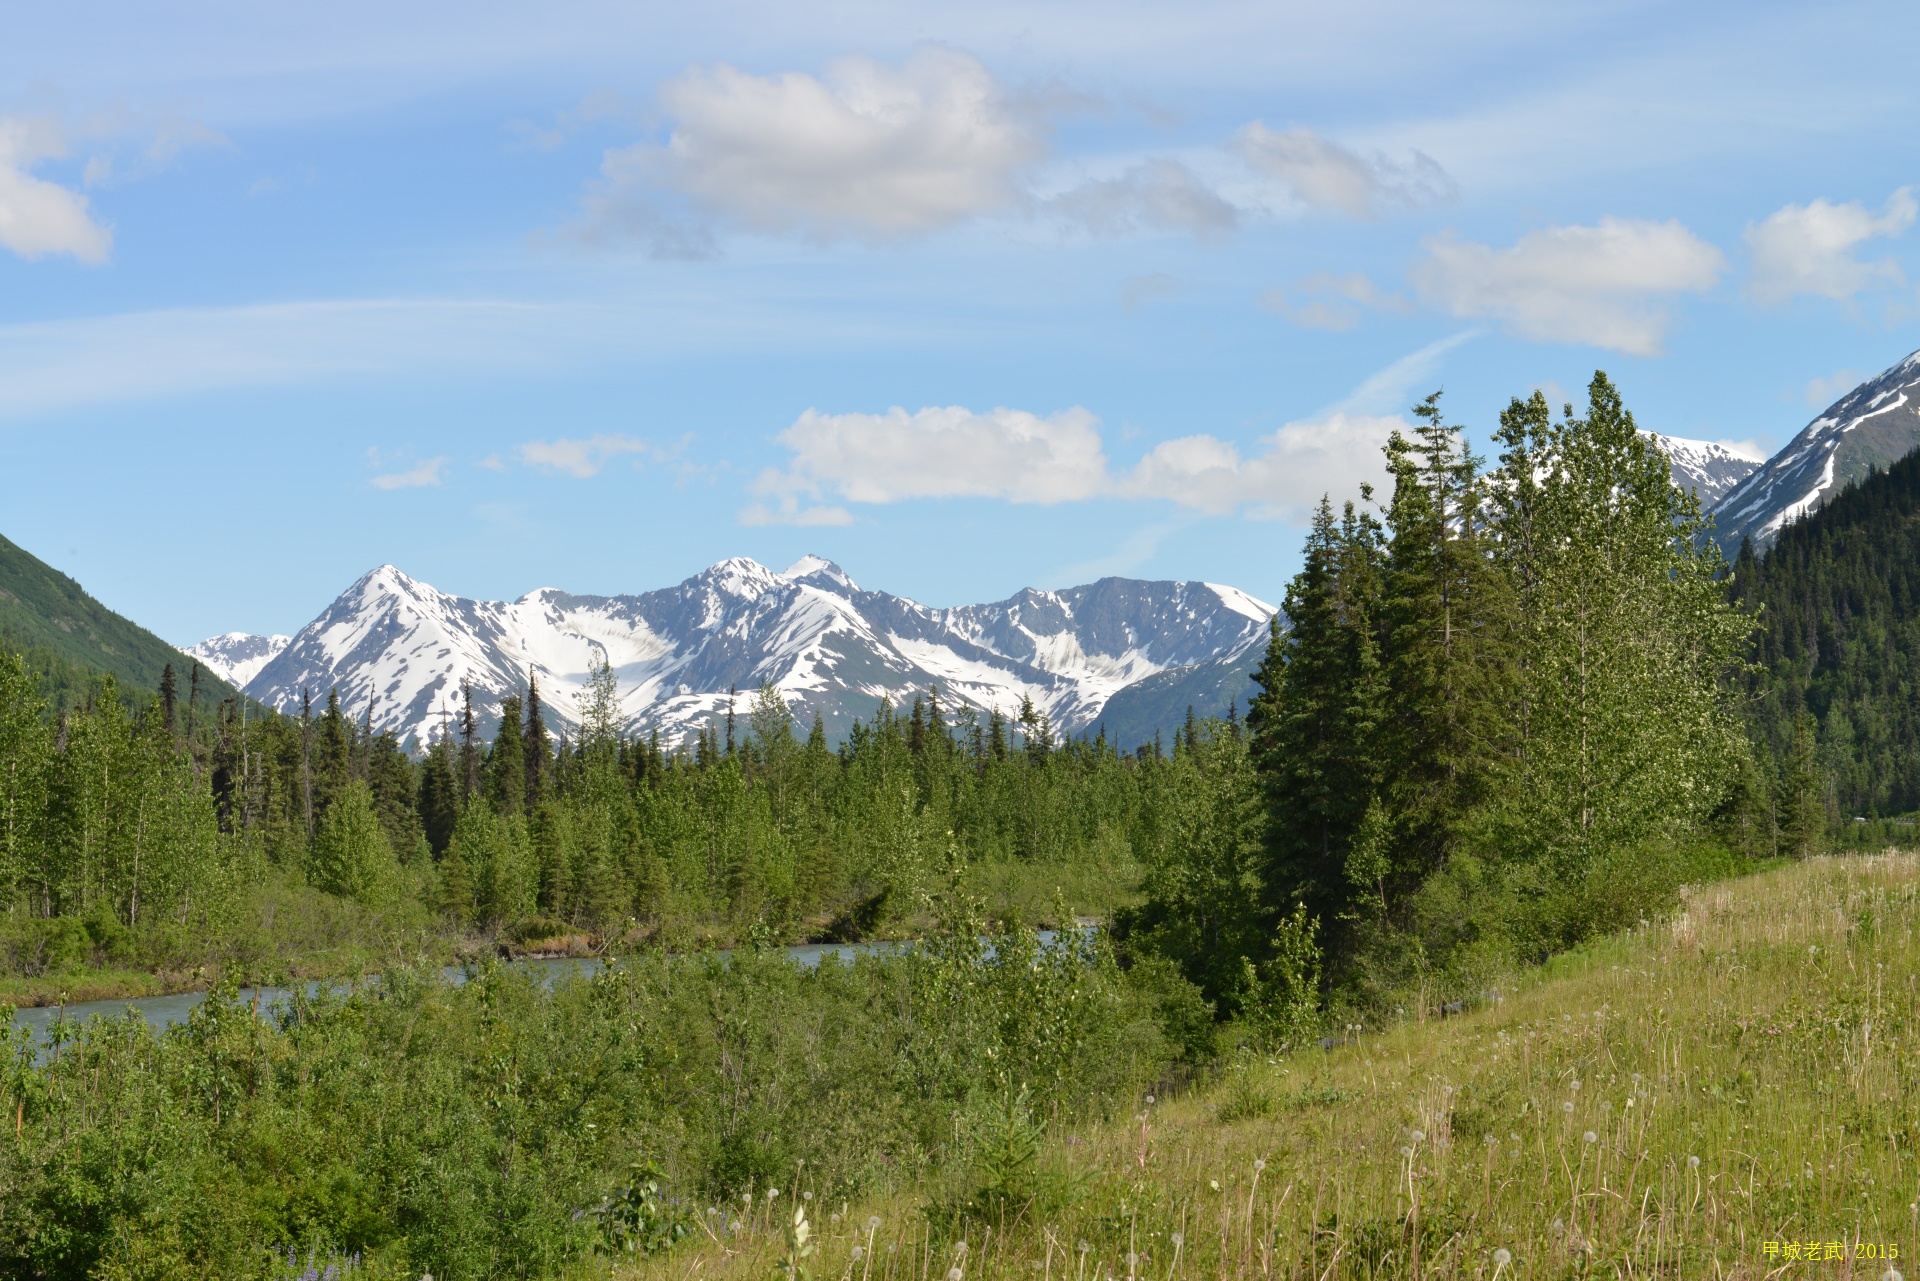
(583, 457)
(420, 474)
(1324, 175)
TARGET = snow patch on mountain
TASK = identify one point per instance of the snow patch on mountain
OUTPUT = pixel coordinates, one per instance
(237, 657)
(1874, 425)
(400, 652)
(1710, 468)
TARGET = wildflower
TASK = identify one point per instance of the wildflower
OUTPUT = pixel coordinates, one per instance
(1214, 1184)
(1576, 1087)
(960, 1252)
(956, 1273)
(1149, 1100)
(873, 1223)
(1418, 1135)
(772, 1193)
(1406, 1151)
(808, 1196)
(746, 1198)
(1084, 1247)
(1179, 1239)
(1589, 1136)
(1502, 1257)
(1259, 1164)
(1567, 1108)
(859, 1253)
(1693, 1163)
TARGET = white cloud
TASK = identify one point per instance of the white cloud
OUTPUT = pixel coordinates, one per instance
(1022, 457)
(943, 453)
(1336, 302)
(1154, 195)
(1334, 454)
(579, 458)
(1155, 286)
(1324, 175)
(867, 152)
(1610, 285)
(1819, 393)
(38, 217)
(425, 472)
(1808, 249)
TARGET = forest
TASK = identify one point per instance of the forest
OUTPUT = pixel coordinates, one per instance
(1515, 708)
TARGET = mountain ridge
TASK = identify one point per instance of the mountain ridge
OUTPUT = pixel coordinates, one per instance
(398, 649)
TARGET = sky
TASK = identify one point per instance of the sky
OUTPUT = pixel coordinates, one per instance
(967, 298)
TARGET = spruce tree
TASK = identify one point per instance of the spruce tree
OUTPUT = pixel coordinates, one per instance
(507, 762)
(536, 747)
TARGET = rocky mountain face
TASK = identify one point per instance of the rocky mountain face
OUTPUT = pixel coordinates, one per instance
(1871, 426)
(399, 650)
(1709, 468)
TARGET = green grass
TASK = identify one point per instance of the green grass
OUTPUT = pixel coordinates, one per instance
(1666, 1102)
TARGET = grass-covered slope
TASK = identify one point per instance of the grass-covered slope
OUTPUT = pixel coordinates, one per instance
(1666, 1103)
(43, 609)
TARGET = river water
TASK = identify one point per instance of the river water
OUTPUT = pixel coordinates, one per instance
(164, 1011)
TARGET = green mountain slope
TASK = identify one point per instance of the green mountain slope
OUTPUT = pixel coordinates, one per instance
(1839, 602)
(43, 610)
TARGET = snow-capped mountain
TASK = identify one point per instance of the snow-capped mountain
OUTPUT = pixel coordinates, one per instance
(1709, 468)
(401, 648)
(1873, 425)
(237, 657)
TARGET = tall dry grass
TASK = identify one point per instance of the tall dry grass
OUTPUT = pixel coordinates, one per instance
(1668, 1102)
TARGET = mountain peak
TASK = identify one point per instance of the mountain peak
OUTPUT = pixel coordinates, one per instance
(1709, 468)
(1873, 426)
(819, 571)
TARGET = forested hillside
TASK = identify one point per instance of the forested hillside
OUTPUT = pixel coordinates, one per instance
(1836, 702)
(41, 609)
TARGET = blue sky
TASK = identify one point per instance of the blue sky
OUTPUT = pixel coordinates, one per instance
(967, 298)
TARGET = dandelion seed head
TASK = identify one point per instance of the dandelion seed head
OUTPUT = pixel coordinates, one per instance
(1084, 1247)
(1179, 1239)
(1491, 1140)
(1559, 1226)
(873, 1223)
(1576, 1087)
(772, 1193)
(1693, 1163)
(1515, 1136)
(1567, 1108)
(808, 1196)
(1589, 1136)
(1502, 1257)
(859, 1252)
(1891, 1274)
(1406, 1151)
(1149, 1100)
(956, 1273)
(1259, 1164)
(1418, 1135)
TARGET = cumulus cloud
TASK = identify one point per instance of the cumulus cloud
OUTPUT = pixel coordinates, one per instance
(1808, 249)
(579, 458)
(1022, 457)
(425, 472)
(38, 217)
(1610, 285)
(1155, 195)
(1326, 176)
(1337, 302)
(866, 152)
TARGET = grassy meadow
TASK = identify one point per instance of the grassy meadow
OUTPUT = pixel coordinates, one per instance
(1705, 1095)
